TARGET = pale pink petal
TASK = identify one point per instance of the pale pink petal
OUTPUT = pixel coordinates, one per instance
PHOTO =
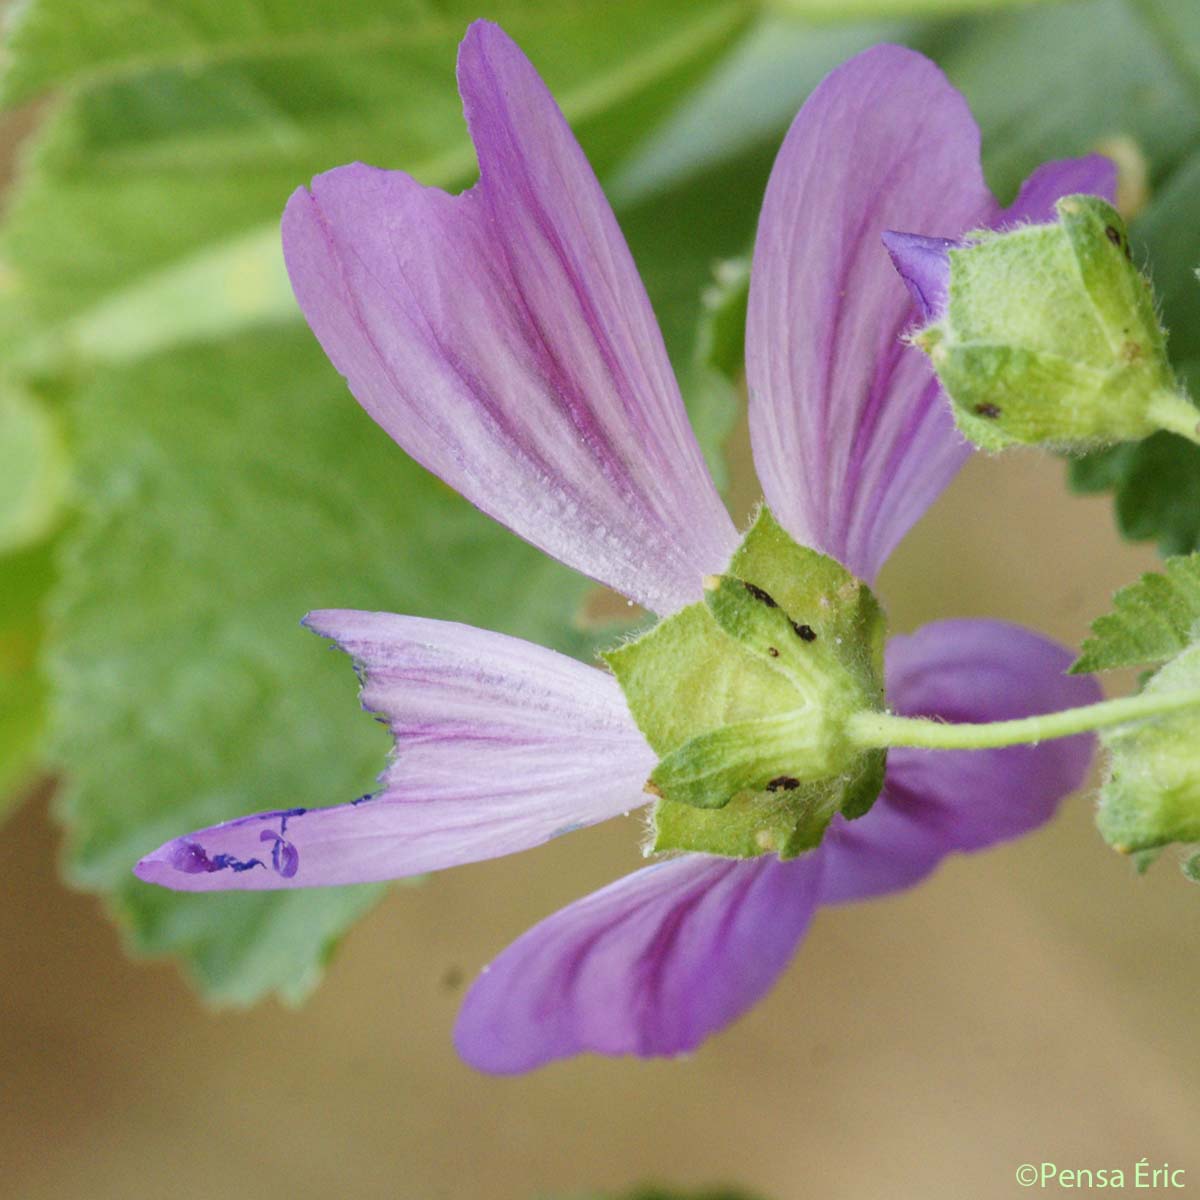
(500, 745)
(504, 339)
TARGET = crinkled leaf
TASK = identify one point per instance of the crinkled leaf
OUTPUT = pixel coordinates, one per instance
(1151, 793)
(226, 492)
(1152, 620)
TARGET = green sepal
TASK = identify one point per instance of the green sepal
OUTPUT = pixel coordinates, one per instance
(816, 592)
(1050, 336)
(752, 617)
(1151, 794)
(684, 677)
(746, 704)
(772, 754)
(784, 822)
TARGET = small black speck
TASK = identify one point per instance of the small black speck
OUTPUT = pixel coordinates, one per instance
(758, 593)
(805, 633)
(783, 783)
(1113, 234)
(772, 652)
(987, 410)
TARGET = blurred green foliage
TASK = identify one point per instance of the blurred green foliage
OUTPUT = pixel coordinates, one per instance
(221, 480)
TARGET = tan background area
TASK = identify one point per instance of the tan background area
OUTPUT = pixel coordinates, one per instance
(1032, 1003)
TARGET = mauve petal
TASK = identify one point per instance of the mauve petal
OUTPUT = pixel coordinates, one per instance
(504, 339)
(1092, 175)
(651, 965)
(500, 745)
(850, 437)
(938, 801)
(924, 265)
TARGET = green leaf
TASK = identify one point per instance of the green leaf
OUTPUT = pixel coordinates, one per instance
(1156, 486)
(1152, 620)
(220, 120)
(1126, 78)
(226, 491)
(1151, 793)
(146, 222)
(718, 366)
(33, 470)
(25, 579)
(857, 10)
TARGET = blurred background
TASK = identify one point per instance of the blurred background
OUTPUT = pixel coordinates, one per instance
(182, 476)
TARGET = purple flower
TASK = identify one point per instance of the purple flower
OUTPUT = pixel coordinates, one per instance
(504, 339)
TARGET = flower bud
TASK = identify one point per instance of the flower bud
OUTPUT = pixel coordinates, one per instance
(1151, 793)
(1045, 333)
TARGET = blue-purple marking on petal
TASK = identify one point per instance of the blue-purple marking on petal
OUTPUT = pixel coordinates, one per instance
(192, 859)
(285, 858)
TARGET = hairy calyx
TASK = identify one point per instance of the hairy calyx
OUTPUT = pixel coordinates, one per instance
(746, 698)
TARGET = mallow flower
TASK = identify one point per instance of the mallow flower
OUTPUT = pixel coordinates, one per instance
(503, 338)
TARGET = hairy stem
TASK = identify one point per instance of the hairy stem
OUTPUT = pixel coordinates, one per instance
(875, 729)
(1177, 413)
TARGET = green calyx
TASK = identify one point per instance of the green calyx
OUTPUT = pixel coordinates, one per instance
(1151, 792)
(1050, 335)
(747, 696)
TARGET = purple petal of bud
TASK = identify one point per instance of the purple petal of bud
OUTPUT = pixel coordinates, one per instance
(924, 265)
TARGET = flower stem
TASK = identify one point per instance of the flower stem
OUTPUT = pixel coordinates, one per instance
(876, 729)
(1177, 413)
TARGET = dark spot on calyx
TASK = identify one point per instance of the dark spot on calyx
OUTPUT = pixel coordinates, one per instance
(772, 652)
(991, 411)
(1114, 235)
(806, 633)
(783, 783)
(760, 595)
